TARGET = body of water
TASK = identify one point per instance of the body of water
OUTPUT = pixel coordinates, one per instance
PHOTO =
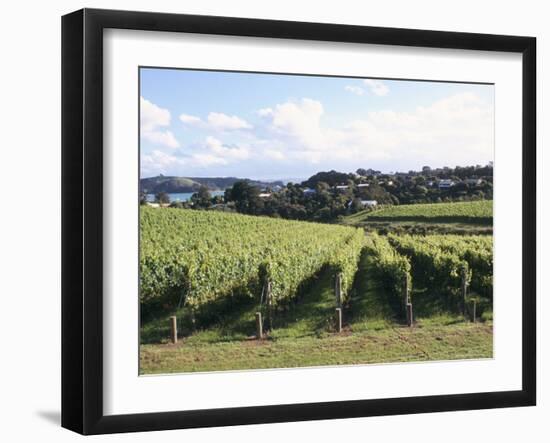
(182, 196)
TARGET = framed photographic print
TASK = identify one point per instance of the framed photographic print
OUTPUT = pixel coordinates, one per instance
(269, 221)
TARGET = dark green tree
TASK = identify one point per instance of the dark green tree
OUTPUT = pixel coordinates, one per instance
(246, 197)
(202, 199)
(162, 198)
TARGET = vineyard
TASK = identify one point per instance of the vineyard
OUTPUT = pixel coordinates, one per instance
(224, 268)
(476, 212)
(198, 257)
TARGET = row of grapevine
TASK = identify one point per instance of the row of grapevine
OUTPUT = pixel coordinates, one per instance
(207, 255)
(432, 267)
(345, 260)
(390, 268)
(477, 251)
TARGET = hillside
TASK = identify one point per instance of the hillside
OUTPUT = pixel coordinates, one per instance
(475, 212)
(170, 184)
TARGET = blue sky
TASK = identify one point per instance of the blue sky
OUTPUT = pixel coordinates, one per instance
(273, 126)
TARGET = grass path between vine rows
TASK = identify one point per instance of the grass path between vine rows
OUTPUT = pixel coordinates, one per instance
(304, 336)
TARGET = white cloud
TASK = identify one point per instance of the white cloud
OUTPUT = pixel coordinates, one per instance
(355, 89)
(190, 119)
(223, 122)
(297, 120)
(274, 154)
(265, 112)
(454, 130)
(231, 152)
(215, 153)
(216, 121)
(211, 152)
(158, 162)
(152, 119)
(205, 160)
(164, 138)
(152, 116)
(377, 87)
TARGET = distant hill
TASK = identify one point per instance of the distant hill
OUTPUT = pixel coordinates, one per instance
(161, 183)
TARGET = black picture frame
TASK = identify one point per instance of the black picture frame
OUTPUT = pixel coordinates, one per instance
(82, 218)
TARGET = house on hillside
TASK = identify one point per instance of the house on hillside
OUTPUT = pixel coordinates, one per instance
(369, 203)
(341, 187)
(363, 185)
(445, 184)
(473, 181)
(264, 195)
(309, 191)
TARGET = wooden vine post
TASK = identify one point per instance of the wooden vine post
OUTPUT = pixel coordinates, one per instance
(339, 319)
(173, 329)
(259, 326)
(406, 291)
(338, 290)
(193, 319)
(409, 315)
(269, 304)
(407, 301)
(464, 289)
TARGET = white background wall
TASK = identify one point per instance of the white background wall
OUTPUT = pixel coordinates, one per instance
(30, 218)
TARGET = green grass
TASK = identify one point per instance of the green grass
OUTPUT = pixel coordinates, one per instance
(475, 212)
(304, 335)
(425, 342)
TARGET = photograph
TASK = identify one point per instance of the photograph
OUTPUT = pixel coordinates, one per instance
(293, 221)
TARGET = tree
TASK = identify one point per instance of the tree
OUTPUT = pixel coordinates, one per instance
(333, 178)
(202, 198)
(324, 214)
(246, 197)
(420, 190)
(362, 172)
(162, 198)
(322, 187)
(356, 205)
(420, 180)
(142, 198)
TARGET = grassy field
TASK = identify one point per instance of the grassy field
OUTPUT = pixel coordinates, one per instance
(304, 334)
(459, 213)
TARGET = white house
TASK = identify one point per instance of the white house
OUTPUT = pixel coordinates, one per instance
(264, 195)
(446, 183)
(363, 185)
(369, 203)
(341, 187)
